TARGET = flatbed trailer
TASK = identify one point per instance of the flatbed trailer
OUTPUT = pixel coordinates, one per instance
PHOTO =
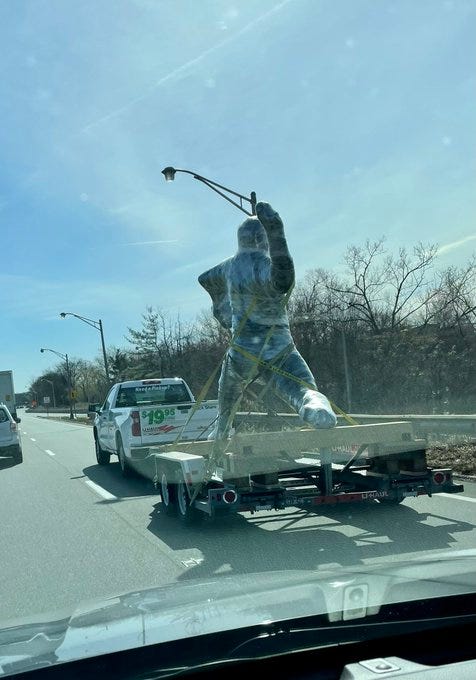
(301, 468)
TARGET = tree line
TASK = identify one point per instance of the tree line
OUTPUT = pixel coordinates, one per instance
(391, 334)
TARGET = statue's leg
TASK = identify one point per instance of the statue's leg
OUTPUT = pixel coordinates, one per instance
(230, 393)
(236, 372)
(311, 405)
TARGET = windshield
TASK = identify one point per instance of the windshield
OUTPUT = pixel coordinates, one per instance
(269, 206)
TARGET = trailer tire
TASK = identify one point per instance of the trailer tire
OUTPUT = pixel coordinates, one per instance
(187, 513)
(102, 457)
(168, 493)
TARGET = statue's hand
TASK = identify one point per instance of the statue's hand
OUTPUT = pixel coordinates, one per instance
(269, 218)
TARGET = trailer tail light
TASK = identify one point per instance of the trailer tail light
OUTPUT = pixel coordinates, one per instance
(135, 415)
(230, 496)
(438, 477)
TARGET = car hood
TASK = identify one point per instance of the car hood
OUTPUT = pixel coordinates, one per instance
(194, 608)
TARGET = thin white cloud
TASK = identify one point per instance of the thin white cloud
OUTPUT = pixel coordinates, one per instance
(455, 244)
(148, 243)
(176, 73)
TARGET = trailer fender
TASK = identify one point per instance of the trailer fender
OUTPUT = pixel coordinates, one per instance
(179, 467)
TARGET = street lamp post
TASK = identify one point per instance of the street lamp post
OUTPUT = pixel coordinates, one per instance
(169, 174)
(98, 326)
(52, 389)
(70, 387)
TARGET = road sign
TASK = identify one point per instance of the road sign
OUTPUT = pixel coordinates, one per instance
(46, 400)
(74, 395)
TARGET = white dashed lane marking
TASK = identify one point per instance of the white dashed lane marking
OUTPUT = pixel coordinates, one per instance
(50, 453)
(32, 439)
(100, 491)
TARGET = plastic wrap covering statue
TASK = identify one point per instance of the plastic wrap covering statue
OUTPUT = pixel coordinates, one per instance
(250, 293)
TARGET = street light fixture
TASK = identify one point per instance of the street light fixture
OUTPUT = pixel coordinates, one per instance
(169, 174)
(98, 326)
(70, 387)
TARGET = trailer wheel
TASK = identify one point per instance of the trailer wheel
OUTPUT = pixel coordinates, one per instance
(187, 513)
(168, 494)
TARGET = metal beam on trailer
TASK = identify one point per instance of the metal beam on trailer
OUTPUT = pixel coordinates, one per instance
(298, 441)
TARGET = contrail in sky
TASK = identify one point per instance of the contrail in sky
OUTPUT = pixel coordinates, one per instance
(147, 243)
(455, 244)
(192, 62)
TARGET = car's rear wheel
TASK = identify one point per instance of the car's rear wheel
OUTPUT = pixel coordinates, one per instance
(125, 469)
(18, 455)
(102, 457)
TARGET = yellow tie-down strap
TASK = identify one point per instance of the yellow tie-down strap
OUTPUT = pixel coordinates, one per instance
(285, 374)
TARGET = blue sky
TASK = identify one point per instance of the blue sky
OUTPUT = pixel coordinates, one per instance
(353, 118)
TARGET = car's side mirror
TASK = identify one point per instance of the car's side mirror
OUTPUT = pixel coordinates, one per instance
(93, 409)
(17, 419)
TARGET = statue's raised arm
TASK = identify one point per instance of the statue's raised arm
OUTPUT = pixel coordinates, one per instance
(282, 265)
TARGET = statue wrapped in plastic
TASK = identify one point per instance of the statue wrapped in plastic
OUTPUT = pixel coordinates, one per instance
(250, 292)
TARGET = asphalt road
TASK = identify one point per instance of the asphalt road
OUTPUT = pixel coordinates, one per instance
(72, 531)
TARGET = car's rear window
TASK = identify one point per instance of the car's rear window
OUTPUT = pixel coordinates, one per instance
(3, 416)
(152, 394)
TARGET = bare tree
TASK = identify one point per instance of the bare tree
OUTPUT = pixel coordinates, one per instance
(386, 291)
(454, 302)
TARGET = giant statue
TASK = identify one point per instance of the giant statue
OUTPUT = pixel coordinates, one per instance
(250, 292)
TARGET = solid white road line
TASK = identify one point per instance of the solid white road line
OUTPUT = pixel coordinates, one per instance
(50, 453)
(100, 491)
(458, 497)
(33, 440)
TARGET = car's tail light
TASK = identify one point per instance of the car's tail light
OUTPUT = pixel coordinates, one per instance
(135, 415)
(13, 427)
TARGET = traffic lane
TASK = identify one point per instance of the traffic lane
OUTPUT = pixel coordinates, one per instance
(61, 544)
(70, 443)
(72, 447)
(293, 538)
